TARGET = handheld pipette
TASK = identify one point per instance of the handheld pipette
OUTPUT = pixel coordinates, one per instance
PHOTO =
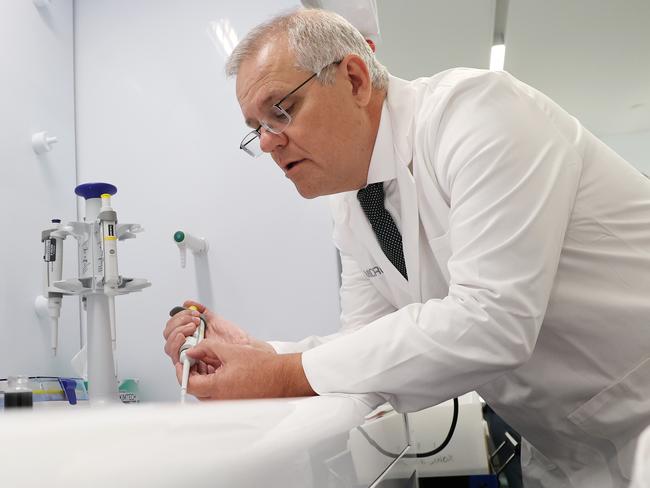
(108, 221)
(190, 342)
(53, 258)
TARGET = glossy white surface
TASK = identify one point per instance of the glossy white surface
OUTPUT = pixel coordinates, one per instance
(377, 444)
(308, 442)
(467, 452)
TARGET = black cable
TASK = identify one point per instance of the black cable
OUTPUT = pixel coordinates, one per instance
(433, 452)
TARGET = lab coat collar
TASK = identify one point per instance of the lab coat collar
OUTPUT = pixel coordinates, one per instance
(401, 105)
(394, 141)
(400, 101)
(392, 157)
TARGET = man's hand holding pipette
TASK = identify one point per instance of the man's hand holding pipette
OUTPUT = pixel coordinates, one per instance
(244, 371)
(184, 323)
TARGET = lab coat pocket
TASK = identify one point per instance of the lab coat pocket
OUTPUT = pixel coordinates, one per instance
(441, 250)
(619, 413)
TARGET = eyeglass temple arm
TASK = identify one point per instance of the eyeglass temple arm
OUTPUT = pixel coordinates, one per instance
(295, 89)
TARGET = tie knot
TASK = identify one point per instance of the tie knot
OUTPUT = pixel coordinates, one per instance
(371, 195)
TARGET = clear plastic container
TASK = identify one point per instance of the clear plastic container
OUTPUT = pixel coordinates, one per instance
(50, 390)
(18, 393)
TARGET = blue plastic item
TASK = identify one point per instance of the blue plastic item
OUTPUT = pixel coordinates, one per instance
(95, 190)
(69, 386)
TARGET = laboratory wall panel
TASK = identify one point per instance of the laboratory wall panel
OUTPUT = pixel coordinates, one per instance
(590, 56)
(423, 38)
(158, 118)
(36, 95)
(633, 146)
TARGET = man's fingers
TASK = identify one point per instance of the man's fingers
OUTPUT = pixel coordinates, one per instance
(209, 360)
(209, 351)
(173, 346)
(189, 303)
(179, 372)
(186, 330)
(181, 319)
(203, 386)
(201, 367)
(206, 349)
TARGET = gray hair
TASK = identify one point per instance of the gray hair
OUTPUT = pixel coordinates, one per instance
(318, 38)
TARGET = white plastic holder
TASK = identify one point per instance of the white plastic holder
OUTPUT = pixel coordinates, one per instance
(41, 307)
(101, 365)
(42, 141)
(48, 310)
(185, 241)
(103, 387)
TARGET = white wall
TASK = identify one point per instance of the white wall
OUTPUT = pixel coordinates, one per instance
(633, 146)
(36, 94)
(423, 38)
(590, 56)
(157, 118)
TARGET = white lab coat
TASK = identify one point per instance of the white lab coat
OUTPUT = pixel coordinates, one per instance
(641, 475)
(527, 245)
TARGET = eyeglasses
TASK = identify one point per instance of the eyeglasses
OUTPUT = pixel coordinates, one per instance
(276, 120)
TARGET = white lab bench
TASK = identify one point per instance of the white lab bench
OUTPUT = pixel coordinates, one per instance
(306, 442)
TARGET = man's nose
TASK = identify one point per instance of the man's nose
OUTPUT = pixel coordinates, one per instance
(270, 141)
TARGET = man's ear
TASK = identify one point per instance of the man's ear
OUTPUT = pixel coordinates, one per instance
(357, 74)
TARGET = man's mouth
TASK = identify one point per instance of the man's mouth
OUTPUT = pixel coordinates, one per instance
(292, 164)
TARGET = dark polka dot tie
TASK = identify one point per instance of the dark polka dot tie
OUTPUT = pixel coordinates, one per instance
(371, 199)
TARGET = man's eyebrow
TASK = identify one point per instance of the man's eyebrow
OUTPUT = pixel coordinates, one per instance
(274, 95)
(267, 100)
(253, 124)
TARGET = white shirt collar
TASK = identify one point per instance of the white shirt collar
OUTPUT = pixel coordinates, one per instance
(382, 163)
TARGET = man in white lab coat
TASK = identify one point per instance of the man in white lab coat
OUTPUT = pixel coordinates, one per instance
(517, 262)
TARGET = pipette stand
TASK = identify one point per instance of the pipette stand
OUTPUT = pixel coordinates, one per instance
(96, 248)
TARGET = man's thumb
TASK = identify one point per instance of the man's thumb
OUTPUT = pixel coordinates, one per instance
(208, 351)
